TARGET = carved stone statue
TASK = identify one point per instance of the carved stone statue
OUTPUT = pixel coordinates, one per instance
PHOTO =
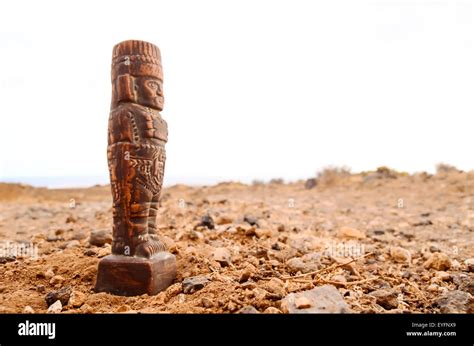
(136, 157)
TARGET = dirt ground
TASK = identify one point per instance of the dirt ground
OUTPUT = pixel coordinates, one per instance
(389, 242)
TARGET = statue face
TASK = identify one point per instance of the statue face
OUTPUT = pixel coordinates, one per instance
(149, 92)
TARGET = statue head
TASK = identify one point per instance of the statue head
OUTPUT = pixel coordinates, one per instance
(137, 75)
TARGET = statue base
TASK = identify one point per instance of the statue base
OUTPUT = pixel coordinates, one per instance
(133, 276)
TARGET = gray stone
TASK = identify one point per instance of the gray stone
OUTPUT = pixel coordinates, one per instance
(251, 220)
(248, 309)
(305, 243)
(310, 183)
(100, 238)
(222, 255)
(400, 255)
(323, 299)
(72, 244)
(90, 252)
(53, 238)
(79, 235)
(55, 308)
(28, 310)
(470, 264)
(206, 221)
(465, 283)
(194, 283)
(386, 298)
(71, 219)
(62, 295)
(296, 264)
(305, 264)
(272, 310)
(455, 302)
(276, 246)
(5, 259)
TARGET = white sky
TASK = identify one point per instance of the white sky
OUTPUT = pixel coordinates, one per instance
(253, 89)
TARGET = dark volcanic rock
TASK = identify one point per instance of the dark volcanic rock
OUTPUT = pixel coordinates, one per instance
(194, 283)
(207, 221)
(62, 295)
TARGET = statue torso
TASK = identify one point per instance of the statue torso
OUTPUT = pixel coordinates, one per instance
(130, 122)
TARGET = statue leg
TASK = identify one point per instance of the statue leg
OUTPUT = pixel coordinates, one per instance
(153, 214)
(146, 243)
(145, 202)
(139, 210)
(118, 169)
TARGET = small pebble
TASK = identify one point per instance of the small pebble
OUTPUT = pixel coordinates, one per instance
(100, 238)
(104, 251)
(62, 295)
(55, 308)
(246, 274)
(248, 285)
(222, 255)
(53, 238)
(72, 244)
(57, 279)
(195, 235)
(400, 255)
(79, 235)
(386, 298)
(438, 261)
(310, 183)
(339, 279)
(251, 220)
(206, 221)
(207, 303)
(28, 310)
(455, 302)
(223, 220)
(249, 309)
(272, 310)
(194, 283)
(71, 219)
(49, 274)
(443, 276)
(455, 265)
(351, 233)
(90, 253)
(296, 264)
(470, 264)
(77, 299)
(302, 303)
(276, 246)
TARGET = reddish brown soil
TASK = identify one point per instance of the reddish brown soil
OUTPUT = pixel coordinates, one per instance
(420, 213)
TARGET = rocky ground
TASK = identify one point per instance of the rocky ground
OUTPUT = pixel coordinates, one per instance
(376, 242)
